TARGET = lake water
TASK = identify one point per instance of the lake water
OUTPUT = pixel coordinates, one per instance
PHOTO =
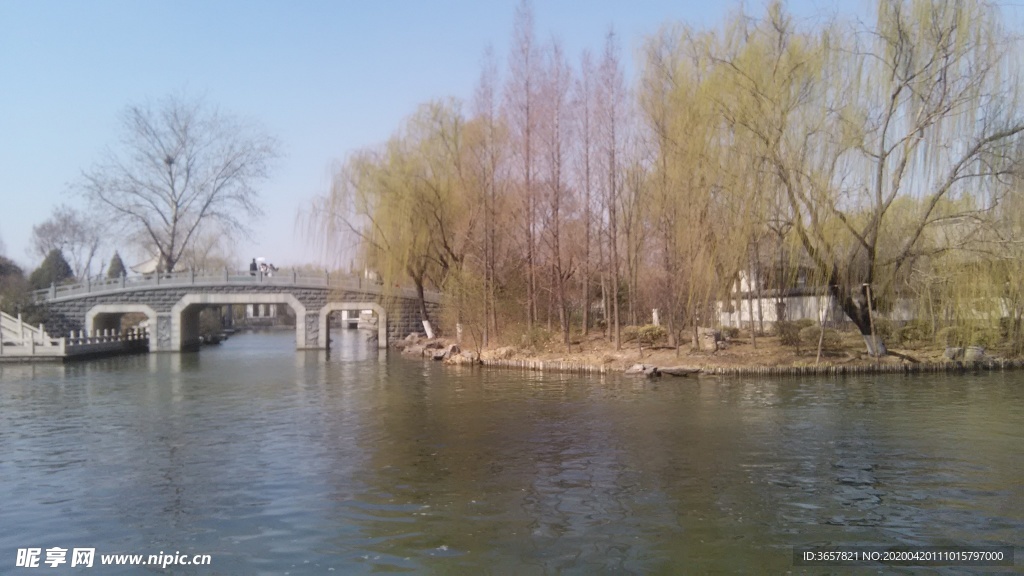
(274, 461)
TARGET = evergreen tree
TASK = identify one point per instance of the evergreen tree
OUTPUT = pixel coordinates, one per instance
(12, 286)
(9, 269)
(116, 268)
(54, 270)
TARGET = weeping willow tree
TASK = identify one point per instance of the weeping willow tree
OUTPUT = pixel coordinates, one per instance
(1006, 242)
(937, 101)
(663, 98)
(715, 105)
(401, 204)
(975, 294)
(922, 105)
(681, 129)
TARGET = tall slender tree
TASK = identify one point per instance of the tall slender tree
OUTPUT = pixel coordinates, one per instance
(611, 114)
(585, 112)
(488, 156)
(522, 117)
(556, 129)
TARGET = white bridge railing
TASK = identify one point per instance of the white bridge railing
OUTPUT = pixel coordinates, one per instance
(81, 342)
(244, 278)
(15, 329)
(21, 340)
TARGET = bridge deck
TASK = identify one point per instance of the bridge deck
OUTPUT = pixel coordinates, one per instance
(240, 279)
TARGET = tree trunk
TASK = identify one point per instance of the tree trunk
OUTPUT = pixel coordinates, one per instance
(421, 300)
(750, 311)
(586, 266)
(606, 308)
(856, 309)
(564, 314)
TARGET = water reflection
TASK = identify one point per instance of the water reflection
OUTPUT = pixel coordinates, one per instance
(273, 460)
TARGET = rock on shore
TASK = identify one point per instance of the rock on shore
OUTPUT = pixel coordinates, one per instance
(652, 371)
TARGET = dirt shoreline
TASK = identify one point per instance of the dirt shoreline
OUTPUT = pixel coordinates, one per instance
(768, 371)
(763, 356)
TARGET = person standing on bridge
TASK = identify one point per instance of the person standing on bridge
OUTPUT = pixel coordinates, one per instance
(252, 268)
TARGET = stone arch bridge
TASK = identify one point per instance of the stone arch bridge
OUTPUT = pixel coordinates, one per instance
(172, 303)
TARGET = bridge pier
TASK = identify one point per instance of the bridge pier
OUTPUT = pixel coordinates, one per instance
(310, 325)
(162, 339)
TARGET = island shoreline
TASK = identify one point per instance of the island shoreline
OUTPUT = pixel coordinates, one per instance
(737, 359)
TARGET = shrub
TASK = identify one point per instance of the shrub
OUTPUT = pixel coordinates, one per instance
(788, 333)
(985, 336)
(830, 341)
(949, 336)
(535, 337)
(648, 334)
(913, 331)
(731, 332)
(885, 329)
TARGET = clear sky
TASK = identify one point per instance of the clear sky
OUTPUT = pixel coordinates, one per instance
(325, 77)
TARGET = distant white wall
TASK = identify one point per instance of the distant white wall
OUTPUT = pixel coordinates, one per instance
(737, 312)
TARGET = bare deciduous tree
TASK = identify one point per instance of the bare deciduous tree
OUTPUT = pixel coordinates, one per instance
(556, 135)
(584, 100)
(522, 116)
(486, 160)
(180, 166)
(611, 104)
(73, 233)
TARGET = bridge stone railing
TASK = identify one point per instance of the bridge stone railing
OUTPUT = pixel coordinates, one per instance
(21, 341)
(245, 278)
(104, 341)
(14, 329)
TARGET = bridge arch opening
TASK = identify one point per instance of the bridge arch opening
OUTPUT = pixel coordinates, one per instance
(108, 317)
(184, 317)
(378, 310)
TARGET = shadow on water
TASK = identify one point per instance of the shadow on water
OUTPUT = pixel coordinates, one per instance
(275, 461)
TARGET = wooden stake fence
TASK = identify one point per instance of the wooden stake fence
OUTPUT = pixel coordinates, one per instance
(775, 371)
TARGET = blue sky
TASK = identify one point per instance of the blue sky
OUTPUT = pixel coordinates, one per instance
(324, 77)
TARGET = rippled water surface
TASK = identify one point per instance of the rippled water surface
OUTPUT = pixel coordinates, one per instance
(274, 462)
